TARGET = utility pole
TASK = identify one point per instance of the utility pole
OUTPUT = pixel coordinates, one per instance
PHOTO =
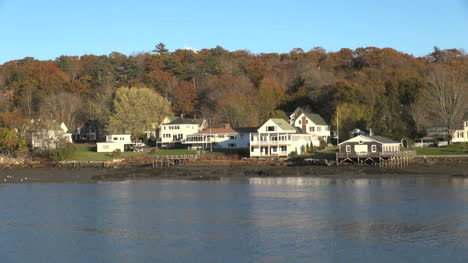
(337, 128)
(211, 136)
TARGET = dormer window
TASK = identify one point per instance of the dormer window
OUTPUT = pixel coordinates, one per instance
(270, 128)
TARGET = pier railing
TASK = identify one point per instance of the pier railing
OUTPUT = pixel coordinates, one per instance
(172, 160)
(377, 155)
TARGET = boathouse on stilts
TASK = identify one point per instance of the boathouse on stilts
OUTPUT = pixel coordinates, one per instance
(373, 150)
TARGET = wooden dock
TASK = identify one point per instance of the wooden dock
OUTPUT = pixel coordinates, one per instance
(390, 159)
(172, 160)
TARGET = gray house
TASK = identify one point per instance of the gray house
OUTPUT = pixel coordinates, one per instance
(363, 144)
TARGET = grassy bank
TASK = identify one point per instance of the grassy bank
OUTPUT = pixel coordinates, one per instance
(329, 154)
(453, 149)
(88, 153)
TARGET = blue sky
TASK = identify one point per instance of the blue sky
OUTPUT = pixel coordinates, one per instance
(49, 28)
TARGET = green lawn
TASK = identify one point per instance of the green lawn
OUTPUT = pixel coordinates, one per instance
(329, 153)
(88, 153)
(453, 149)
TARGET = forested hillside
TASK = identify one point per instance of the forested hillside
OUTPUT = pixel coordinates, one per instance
(393, 93)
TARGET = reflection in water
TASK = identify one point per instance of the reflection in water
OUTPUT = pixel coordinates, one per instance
(261, 220)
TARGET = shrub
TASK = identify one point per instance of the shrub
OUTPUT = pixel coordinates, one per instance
(311, 148)
(151, 141)
(64, 152)
(60, 153)
(11, 143)
(117, 153)
(323, 144)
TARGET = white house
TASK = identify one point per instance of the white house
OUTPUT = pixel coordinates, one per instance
(461, 134)
(293, 116)
(178, 129)
(277, 138)
(46, 134)
(313, 124)
(219, 138)
(114, 142)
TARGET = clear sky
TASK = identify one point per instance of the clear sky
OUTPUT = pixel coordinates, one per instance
(49, 28)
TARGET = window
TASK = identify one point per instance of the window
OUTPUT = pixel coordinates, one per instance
(307, 121)
(232, 145)
(311, 129)
(348, 148)
(374, 148)
(252, 149)
(232, 137)
(319, 129)
(299, 122)
(271, 128)
(274, 149)
(361, 142)
(122, 138)
(115, 139)
(283, 148)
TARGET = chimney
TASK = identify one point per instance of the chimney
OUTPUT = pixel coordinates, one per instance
(181, 115)
(371, 133)
(227, 126)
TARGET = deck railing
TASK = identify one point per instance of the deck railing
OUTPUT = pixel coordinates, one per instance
(377, 154)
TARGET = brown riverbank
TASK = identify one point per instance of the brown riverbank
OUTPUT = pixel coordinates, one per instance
(218, 171)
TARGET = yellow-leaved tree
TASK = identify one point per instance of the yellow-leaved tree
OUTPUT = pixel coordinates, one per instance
(136, 110)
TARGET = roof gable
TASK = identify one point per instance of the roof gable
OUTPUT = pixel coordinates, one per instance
(280, 123)
(365, 138)
(315, 118)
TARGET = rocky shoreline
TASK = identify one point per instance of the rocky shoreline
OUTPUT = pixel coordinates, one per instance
(212, 172)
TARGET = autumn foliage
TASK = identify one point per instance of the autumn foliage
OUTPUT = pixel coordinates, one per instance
(365, 88)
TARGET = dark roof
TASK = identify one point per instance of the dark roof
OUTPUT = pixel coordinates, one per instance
(317, 119)
(180, 121)
(380, 139)
(246, 129)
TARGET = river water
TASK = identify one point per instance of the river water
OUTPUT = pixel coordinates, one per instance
(243, 220)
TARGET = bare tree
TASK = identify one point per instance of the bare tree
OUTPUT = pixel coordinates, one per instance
(446, 98)
(418, 113)
(63, 107)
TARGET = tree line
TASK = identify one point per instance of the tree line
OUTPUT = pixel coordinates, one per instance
(395, 94)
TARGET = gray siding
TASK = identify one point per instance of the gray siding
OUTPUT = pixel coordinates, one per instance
(342, 147)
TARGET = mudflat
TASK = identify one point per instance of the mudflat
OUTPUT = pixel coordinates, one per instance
(218, 172)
